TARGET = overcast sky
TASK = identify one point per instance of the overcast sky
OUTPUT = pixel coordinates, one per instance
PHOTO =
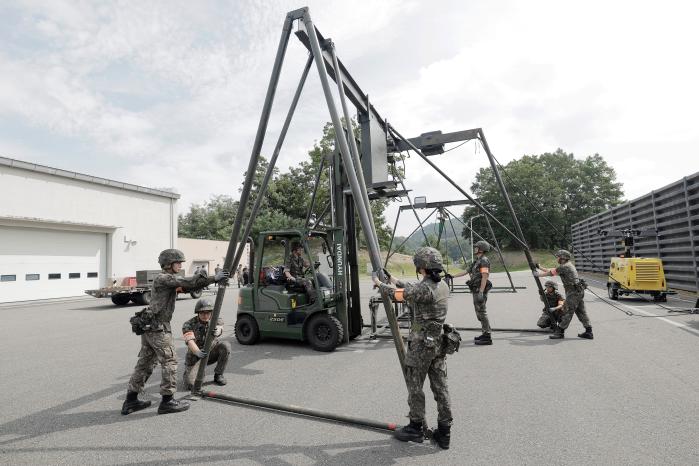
(169, 94)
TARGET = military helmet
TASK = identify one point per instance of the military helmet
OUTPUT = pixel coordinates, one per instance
(427, 258)
(482, 245)
(203, 305)
(564, 254)
(168, 256)
(551, 283)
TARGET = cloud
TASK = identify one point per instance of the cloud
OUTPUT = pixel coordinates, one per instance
(172, 91)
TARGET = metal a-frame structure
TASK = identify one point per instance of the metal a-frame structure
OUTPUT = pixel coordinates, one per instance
(358, 171)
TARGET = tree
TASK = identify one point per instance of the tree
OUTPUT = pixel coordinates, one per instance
(551, 187)
(285, 203)
(211, 220)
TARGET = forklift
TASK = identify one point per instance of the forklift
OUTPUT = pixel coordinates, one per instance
(271, 306)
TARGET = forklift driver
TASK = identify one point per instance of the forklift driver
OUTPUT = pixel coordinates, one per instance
(294, 270)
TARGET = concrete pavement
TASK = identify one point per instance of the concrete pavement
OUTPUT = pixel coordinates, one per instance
(628, 397)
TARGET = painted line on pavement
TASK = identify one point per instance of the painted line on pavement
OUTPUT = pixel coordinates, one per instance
(676, 324)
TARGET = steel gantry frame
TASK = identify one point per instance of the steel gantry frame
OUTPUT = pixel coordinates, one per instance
(348, 168)
(445, 215)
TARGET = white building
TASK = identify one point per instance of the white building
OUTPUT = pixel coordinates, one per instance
(62, 232)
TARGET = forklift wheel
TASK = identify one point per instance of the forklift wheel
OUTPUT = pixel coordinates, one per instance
(324, 332)
(246, 330)
(613, 292)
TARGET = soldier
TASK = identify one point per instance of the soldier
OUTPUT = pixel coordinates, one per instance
(479, 284)
(295, 268)
(425, 356)
(553, 303)
(194, 332)
(575, 293)
(156, 343)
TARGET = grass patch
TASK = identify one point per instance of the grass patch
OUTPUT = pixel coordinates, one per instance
(401, 265)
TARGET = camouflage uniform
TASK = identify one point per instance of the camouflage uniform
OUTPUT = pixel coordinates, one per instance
(552, 300)
(425, 358)
(475, 271)
(157, 346)
(296, 266)
(574, 303)
(219, 353)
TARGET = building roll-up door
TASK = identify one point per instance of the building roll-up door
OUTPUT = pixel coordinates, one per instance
(38, 263)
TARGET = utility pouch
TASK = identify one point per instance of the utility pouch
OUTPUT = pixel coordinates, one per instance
(143, 321)
(451, 340)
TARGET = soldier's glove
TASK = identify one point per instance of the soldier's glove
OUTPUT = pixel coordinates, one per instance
(480, 297)
(222, 276)
(535, 273)
(200, 354)
(537, 265)
(388, 275)
(219, 331)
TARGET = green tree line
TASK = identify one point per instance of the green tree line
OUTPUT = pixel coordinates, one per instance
(285, 203)
(551, 187)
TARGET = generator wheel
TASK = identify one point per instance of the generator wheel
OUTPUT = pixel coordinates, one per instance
(324, 332)
(246, 330)
(195, 294)
(613, 292)
(121, 299)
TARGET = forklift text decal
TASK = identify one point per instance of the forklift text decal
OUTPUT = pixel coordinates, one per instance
(340, 260)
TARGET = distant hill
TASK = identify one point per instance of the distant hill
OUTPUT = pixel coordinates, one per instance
(447, 240)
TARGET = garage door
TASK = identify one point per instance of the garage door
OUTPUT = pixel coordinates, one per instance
(41, 263)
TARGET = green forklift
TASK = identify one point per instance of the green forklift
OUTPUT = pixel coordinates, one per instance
(271, 306)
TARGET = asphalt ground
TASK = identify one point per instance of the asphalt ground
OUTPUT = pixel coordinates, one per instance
(628, 397)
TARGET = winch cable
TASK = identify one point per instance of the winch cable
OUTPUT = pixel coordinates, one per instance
(675, 312)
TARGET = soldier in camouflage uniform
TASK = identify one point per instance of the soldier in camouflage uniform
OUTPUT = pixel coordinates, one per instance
(479, 271)
(294, 271)
(553, 303)
(575, 293)
(156, 344)
(425, 356)
(194, 333)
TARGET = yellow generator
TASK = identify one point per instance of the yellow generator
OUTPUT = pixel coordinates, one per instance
(631, 275)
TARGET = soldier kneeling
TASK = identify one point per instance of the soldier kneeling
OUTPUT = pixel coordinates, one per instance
(553, 304)
(194, 331)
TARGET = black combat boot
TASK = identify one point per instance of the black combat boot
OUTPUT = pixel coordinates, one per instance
(133, 404)
(442, 435)
(558, 334)
(169, 405)
(587, 334)
(484, 339)
(410, 433)
(219, 379)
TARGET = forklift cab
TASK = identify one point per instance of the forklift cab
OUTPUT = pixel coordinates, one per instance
(277, 307)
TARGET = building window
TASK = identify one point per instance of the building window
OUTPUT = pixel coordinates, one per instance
(8, 278)
(54, 276)
(91, 274)
(74, 275)
(31, 276)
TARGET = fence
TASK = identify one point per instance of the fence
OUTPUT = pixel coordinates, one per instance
(673, 211)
